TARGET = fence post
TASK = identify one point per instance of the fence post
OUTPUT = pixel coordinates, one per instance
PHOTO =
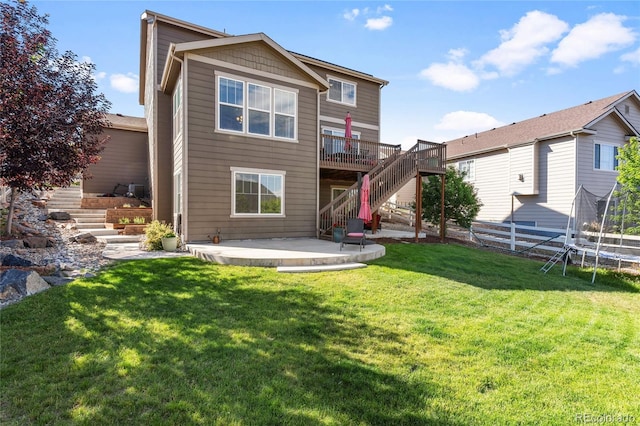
(513, 236)
(471, 233)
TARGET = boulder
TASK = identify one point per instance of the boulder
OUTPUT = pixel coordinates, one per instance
(37, 242)
(25, 283)
(14, 244)
(85, 238)
(11, 260)
(60, 216)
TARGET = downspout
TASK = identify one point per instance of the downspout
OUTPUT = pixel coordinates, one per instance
(185, 157)
(575, 160)
(318, 145)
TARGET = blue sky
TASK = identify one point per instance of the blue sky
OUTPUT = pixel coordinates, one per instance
(454, 67)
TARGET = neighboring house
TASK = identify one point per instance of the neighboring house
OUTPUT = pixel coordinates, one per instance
(124, 159)
(247, 138)
(529, 171)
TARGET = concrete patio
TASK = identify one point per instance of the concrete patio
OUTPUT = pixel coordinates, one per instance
(288, 255)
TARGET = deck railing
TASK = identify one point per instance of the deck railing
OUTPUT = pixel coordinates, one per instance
(342, 153)
(384, 181)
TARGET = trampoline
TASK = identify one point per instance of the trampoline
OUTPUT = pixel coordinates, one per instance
(598, 228)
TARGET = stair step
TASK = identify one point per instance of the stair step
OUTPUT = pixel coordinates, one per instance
(90, 218)
(93, 225)
(101, 232)
(113, 239)
(321, 268)
(78, 211)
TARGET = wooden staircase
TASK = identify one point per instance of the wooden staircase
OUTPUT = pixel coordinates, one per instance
(385, 179)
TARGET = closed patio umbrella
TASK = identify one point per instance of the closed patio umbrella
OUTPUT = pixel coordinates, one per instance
(347, 131)
(365, 208)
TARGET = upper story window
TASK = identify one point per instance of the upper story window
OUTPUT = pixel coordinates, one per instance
(342, 91)
(256, 109)
(468, 169)
(605, 157)
(177, 109)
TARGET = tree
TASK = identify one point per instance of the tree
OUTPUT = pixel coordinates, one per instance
(51, 118)
(461, 203)
(629, 180)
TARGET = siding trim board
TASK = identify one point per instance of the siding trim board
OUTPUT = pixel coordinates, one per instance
(208, 44)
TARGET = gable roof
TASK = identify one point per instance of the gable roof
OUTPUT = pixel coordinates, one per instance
(181, 48)
(126, 122)
(577, 119)
(150, 17)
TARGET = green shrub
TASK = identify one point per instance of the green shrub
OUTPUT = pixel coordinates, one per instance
(155, 232)
(138, 220)
(124, 220)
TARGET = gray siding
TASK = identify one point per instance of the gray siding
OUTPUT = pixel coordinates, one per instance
(211, 155)
(598, 182)
(124, 160)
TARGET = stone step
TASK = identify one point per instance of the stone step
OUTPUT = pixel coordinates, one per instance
(88, 218)
(116, 239)
(79, 211)
(91, 226)
(100, 232)
(321, 268)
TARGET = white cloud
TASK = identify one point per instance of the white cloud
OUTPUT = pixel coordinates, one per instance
(86, 59)
(467, 122)
(451, 76)
(100, 75)
(632, 57)
(385, 8)
(599, 35)
(379, 24)
(124, 83)
(351, 14)
(524, 43)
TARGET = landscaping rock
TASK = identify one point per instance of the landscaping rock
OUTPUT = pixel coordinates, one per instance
(25, 283)
(38, 242)
(14, 244)
(59, 216)
(11, 260)
(85, 238)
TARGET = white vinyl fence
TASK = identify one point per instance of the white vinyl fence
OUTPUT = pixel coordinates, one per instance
(517, 238)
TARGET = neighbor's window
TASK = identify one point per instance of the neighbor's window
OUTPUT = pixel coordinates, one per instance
(267, 111)
(604, 157)
(468, 168)
(342, 91)
(258, 193)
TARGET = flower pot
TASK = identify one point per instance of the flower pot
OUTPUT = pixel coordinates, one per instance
(169, 243)
(338, 234)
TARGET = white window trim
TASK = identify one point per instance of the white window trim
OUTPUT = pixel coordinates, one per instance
(593, 151)
(235, 170)
(245, 106)
(342, 102)
(469, 177)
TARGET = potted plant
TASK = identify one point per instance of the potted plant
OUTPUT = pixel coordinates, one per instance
(170, 241)
(160, 236)
(338, 233)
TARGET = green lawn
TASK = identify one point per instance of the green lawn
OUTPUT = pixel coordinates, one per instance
(429, 334)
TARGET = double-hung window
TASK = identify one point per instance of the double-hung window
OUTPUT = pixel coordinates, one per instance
(342, 91)
(605, 157)
(258, 192)
(256, 109)
(468, 169)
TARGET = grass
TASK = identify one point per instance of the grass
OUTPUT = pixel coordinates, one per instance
(429, 334)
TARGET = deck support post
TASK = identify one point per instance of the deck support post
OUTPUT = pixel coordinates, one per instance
(442, 218)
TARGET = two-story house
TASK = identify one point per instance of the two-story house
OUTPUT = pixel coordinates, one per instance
(248, 138)
(529, 171)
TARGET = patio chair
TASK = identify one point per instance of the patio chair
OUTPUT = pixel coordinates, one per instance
(354, 233)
